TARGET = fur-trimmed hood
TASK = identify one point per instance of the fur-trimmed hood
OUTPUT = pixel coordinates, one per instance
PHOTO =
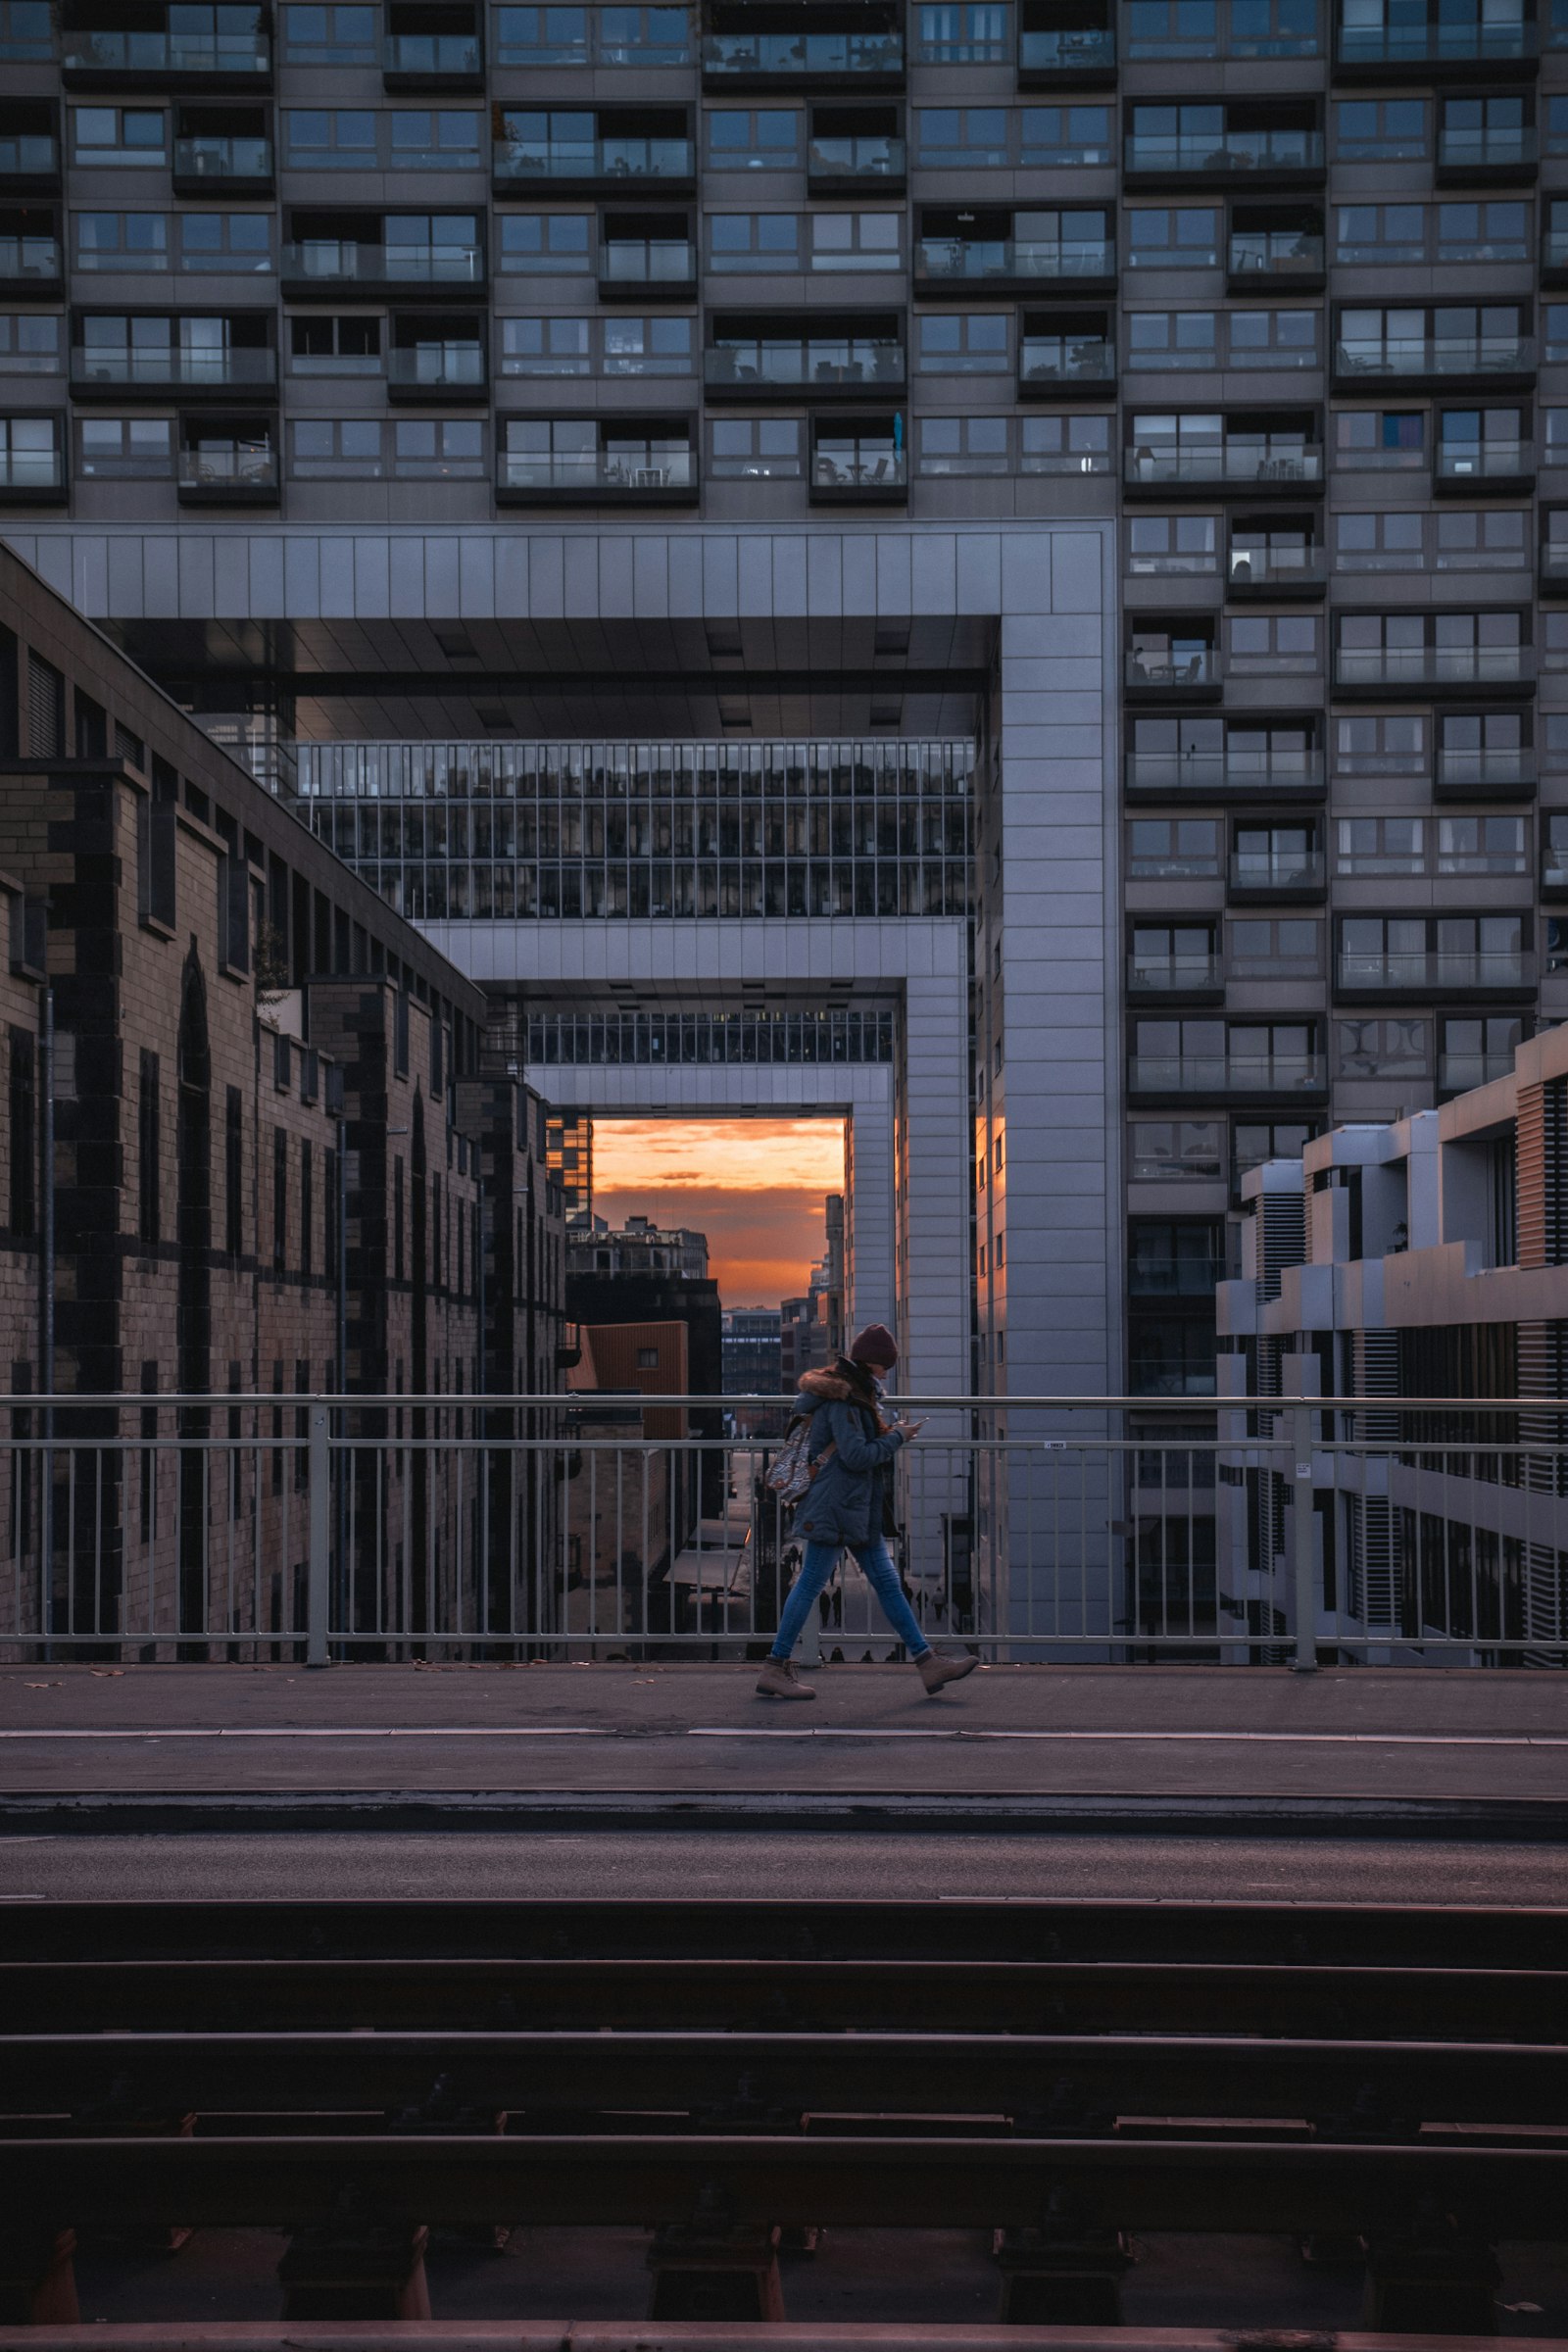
(825, 1388)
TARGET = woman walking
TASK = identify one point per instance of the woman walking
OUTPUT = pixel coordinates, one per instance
(849, 1505)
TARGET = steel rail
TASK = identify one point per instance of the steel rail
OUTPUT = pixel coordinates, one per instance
(1058, 1928)
(703, 2335)
(1249, 2186)
(1051, 2085)
(1009, 1996)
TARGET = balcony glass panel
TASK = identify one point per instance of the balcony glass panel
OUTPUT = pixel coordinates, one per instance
(1198, 771)
(1477, 461)
(1277, 869)
(859, 462)
(1278, 566)
(1172, 975)
(450, 366)
(788, 54)
(1367, 38)
(29, 152)
(1484, 148)
(194, 366)
(629, 466)
(1485, 772)
(1457, 1074)
(1066, 359)
(1199, 666)
(974, 259)
(222, 464)
(1433, 355)
(36, 469)
(667, 260)
(156, 52)
(1438, 969)
(1238, 150)
(1417, 665)
(30, 257)
(1078, 50)
(431, 53)
(619, 158)
(835, 360)
(1272, 253)
(876, 155)
(1234, 460)
(222, 159)
(1220, 1074)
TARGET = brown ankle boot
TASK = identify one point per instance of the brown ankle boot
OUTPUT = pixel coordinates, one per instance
(779, 1680)
(935, 1671)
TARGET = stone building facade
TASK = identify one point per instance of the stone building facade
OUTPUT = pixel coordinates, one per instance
(253, 1150)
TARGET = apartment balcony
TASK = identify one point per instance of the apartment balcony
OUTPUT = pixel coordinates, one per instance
(608, 167)
(1075, 57)
(1052, 366)
(334, 268)
(856, 163)
(1494, 467)
(1554, 873)
(236, 475)
(241, 62)
(1437, 52)
(1194, 677)
(1176, 980)
(823, 61)
(651, 270)
(1272, 573)
(1011, 265)
(432, 61)
(1285, 1078)
(1218, 776)
(436, 372)
(1485, 158)
(1276, 877)
(850, 472)
(1270, 261)
(597, 478)
(33, 477)
(30, 164)
(160, 372)
(1167, 1275)
(32, 269)
(1554, 258)
(829, 367)
(1552, 571)
(1392, 673)
(1253, 465)
(1448, 363)
(1280, 158)
(1418, 976)
(1480, 775)
(217, 165)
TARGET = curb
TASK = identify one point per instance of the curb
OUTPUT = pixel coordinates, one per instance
(391, 1811)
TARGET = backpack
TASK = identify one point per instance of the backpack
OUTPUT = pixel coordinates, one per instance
(794, 1470)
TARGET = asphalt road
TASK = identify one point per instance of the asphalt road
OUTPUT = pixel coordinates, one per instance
(803, 1865)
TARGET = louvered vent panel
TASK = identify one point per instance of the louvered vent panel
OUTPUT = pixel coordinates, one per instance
(1377, 1374)
(1370, 1567)
(1281, 1240)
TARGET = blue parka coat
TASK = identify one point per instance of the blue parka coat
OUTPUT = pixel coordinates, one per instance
(850, 1498)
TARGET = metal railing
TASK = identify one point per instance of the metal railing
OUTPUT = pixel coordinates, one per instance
(314, 1528)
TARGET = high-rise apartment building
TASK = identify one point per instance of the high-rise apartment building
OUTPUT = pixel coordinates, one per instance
(987, 567)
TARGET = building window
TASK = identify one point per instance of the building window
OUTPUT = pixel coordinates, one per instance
(961, 343)
(964, 445)
(26, 37)
(30, 452)
(546, 347)
(546, 244)
(148, 1156)
(962, 32)
(760, 138)
(29, 343)
(156, 815)
(1482, 845)
(336, 34)
(1375, 846)
(1274, 947)
(23, 1134)
(856, 240)
(969, 138)
(1055, 136)
(1064, 444)
(1381, 131)
(1381, 234)
(329, 139)
(646, 346)
(1382, 1049)
(1172, 544)
(1273, 338)
(240, 243)
(398, 1245)
(307, 1206)
(336, 449)
(1272, 644)
(1482, 539)
(124, 448)
(234, 1172)
(648, 1359)
(1167, 848)
(754, 242)
(1171, 339)
(434, 139)
(541, 36)
(119, 241)
(756, 448)
(1392, 540)
(439, 449)
(46, 707)
(118, 136)
(279, 1199)
(1376, 438)
(1173, 236)
(1176, 1151)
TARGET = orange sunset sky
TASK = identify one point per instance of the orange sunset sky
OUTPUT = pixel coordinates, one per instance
(753, 1186)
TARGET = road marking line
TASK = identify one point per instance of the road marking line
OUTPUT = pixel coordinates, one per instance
(720, 1731)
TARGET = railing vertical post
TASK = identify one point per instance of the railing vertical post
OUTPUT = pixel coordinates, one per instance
(1303, 1543)
(318, 1583)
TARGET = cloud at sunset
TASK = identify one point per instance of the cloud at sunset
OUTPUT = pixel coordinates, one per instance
(755, 1187)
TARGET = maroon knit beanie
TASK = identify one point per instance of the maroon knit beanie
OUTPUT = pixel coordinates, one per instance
(875, 1344)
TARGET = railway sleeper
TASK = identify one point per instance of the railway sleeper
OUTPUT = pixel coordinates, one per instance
(37, 2276)
(356, 2271)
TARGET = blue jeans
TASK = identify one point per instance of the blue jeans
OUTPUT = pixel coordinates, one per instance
(880, 1574)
